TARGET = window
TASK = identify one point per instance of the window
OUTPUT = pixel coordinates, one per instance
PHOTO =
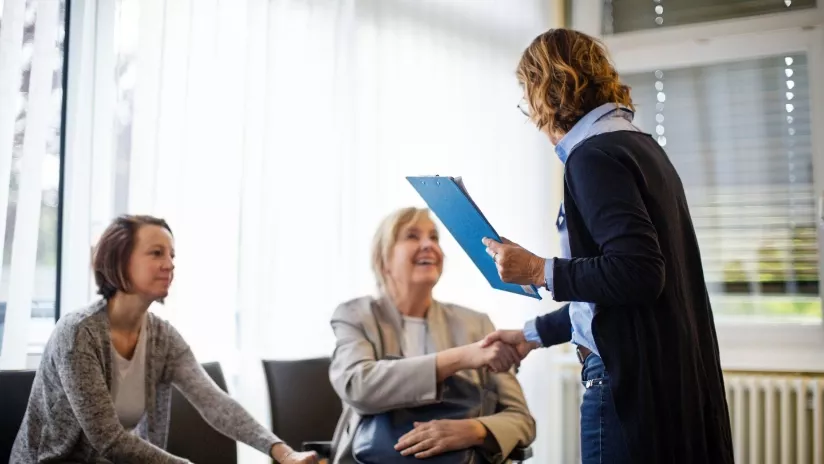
(635, 15)
(194, 111)
(729, 94)
(739, 134)
(31, 75)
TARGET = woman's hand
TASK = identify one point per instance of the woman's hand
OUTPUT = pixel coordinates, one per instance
(498, 356)
(436, 437)
(512, 338)
(301, 458)
(283, 454)
(516, 265)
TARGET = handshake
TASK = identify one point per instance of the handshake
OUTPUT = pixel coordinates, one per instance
(499, 351)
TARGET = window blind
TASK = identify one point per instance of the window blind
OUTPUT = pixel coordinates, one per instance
(739, 135)
(635, 15)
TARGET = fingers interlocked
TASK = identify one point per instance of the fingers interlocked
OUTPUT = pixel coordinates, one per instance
(501, 357)
(517, 345)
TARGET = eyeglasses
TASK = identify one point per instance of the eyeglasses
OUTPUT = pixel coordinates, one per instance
(523, 105)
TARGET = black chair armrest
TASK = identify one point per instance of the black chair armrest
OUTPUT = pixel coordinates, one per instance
(520, 454)
(323, 448)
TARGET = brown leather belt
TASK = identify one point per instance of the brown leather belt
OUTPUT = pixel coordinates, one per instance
(582, 353)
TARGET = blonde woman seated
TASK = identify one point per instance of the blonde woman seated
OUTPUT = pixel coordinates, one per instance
(102, 391)
(396, 351)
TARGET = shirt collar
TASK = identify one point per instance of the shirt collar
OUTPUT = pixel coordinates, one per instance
(580, 130)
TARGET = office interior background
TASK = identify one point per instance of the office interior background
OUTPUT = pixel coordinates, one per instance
(274, 134)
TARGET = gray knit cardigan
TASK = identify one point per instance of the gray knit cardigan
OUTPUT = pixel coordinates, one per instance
(71, 416)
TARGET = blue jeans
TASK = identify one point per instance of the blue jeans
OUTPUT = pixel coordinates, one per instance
(602, 441)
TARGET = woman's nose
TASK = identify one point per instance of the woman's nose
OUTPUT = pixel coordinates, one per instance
(430, 245)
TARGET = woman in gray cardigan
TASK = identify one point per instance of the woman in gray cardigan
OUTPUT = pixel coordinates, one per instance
(103, 388)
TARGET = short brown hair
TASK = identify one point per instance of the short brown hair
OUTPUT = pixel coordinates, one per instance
(110, 261)
(565, 75)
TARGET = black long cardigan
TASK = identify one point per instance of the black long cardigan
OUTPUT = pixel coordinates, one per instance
(636, 257)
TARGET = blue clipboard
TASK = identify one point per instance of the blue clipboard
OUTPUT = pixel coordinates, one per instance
(448, 199)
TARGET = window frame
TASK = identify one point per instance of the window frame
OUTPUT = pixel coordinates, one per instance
(34, 347)
(88, 158)
(62, 156)
(745, 344)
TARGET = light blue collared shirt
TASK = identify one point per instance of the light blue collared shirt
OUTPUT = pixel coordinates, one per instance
(609, 117)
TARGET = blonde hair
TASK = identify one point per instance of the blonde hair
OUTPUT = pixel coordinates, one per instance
(387, 236)
(565, 75)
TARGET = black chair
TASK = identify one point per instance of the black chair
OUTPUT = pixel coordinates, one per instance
(305, 408)
(15, 387)
(191, 437)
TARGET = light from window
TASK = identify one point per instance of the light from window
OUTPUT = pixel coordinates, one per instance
(740, 136)
(636, 15)
(31, 53)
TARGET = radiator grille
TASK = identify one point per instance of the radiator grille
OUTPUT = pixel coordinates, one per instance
(775, 419)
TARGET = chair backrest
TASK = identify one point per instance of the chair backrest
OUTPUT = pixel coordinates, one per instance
(15, 388)
(303, 404)
(191, 437)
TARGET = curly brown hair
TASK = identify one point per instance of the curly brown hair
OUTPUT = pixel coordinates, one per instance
(565, 75)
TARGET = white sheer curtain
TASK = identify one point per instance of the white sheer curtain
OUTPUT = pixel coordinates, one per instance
(274, 134)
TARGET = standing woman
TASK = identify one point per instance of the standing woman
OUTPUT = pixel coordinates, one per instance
(640, 316)
(103, 389)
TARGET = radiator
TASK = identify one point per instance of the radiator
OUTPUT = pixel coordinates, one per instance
(775, 419)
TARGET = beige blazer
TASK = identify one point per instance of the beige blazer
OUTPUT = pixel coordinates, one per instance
(370, 386)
